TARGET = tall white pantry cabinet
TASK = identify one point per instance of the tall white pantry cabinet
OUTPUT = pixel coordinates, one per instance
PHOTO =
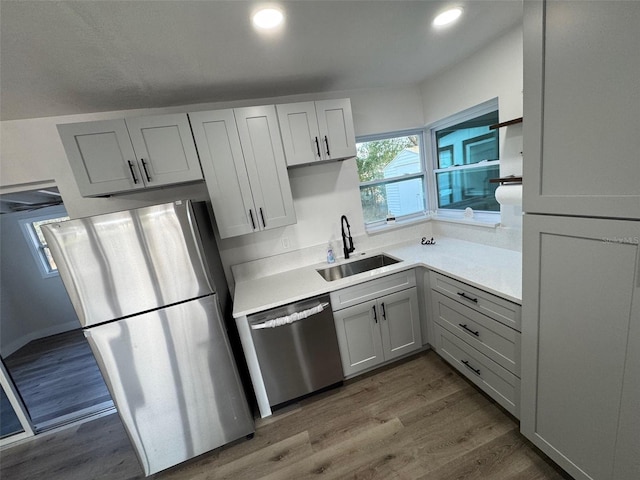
(580, 396)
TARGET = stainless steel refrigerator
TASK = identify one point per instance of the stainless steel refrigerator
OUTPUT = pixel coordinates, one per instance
(143, 283)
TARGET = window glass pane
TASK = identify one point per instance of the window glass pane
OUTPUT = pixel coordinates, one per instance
(469, 187)
(388, 158)
(9, 423)
(43, 249)
(468, 142)
(38, 224)
(403, 197)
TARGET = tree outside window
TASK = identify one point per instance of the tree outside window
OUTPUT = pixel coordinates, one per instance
(392, 173)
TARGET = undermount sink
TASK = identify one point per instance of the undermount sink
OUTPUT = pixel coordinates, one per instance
(359, 266)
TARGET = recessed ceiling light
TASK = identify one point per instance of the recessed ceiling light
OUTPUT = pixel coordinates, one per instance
(447, 17)
(268, 18)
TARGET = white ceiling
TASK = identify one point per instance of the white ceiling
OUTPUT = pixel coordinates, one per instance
(68, 57)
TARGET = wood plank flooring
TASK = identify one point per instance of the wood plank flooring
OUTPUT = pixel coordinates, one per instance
(57, 376)
(418, 419)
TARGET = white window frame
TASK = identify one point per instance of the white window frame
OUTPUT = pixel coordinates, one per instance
(35, 246)
(424, 174)
(480, 216)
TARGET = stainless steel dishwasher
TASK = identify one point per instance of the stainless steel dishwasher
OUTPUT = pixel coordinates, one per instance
(297, 349)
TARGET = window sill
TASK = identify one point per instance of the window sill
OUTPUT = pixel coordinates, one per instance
(488, 220)
(386, 227)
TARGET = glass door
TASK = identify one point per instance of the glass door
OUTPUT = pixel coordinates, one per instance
(14, 422)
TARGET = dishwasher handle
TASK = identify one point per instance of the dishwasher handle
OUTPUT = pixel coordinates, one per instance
(288, 319)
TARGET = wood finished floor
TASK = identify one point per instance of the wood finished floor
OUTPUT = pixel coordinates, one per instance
(418, 419)
(57, 376)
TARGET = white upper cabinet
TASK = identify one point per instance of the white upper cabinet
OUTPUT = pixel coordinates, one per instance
(581, 103)
(224, 171)
(244, 169)
(113, 156)
(317, 131)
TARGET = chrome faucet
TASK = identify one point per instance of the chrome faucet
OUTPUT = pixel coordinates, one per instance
(350, 248)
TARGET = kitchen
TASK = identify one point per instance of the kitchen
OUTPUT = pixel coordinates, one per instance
(32, 153)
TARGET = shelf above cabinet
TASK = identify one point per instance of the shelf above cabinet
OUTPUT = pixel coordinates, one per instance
(505, 124)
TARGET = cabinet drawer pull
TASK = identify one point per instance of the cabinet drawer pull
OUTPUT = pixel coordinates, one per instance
(253, 224)
(326, 141)
(476, 333)
(464, 295)
(475, 370)
(318, 147)
(262, 217)
(144, 166)
(384, 312)
(375, 315)
(133, 174)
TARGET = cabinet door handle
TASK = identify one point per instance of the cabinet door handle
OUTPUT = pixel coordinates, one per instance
(475, 370)
(326, 141)
(464, 295)
(384, 312)
(477, 334)
(375, 315)
(146, 172)
(318, 147)
(253, 224)
(133, 174)
(262, 217)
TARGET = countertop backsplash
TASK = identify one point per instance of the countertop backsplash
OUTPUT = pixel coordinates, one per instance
(318, 253)
(500, 237)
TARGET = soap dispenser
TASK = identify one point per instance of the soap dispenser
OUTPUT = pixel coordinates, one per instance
(330, 257)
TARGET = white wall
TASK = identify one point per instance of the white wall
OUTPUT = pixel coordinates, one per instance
(31, 306)
(496, 71)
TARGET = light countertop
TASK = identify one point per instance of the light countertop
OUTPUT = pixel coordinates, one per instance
(496, 270)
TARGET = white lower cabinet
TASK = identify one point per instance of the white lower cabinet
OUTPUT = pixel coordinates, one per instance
(478, 333)
(502, 385)
(382, 327)
(581, 344)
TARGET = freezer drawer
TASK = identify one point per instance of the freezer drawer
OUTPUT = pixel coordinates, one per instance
(174, 381)
(297, 358)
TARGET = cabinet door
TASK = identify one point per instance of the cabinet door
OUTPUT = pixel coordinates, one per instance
(300, 136)
(101, 157)
(224, 170)
(262, 148)
(335, 124)
(582, 98)
(581, 303)
(359, 338)
(400, 323)
(165, 150)
(627, 461)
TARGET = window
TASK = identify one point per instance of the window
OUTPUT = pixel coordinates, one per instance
(392, 176)
(31, 227)
(466, 155)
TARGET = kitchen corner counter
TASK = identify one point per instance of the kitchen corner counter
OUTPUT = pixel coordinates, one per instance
(495, 270)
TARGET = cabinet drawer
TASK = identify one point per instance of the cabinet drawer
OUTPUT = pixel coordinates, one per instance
(497, 341)
(502, 310)
(373, 289)
(502, 385)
